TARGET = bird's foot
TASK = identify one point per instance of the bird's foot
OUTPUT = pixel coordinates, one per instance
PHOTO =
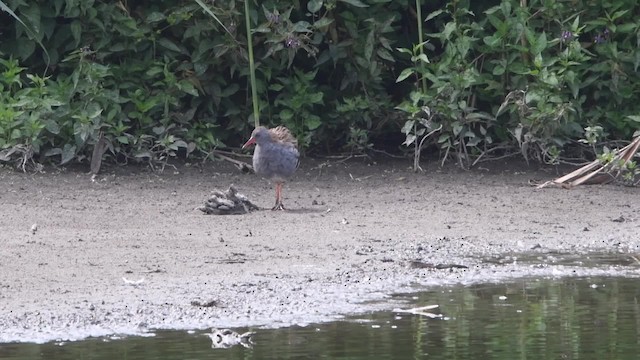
(279, 206)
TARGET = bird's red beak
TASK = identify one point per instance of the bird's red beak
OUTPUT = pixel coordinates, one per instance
(249, 142)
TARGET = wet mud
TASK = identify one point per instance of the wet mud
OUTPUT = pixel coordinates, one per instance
(129, 251)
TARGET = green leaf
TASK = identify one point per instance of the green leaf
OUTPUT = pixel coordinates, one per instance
(180, 144)
(443, 138)
(316, 98)
(627, 28)
(53, 152)
(408, 127)
(301, 27)
(479, 116)
(618, 14)
(492, 10)
(53, 127)
(448, 30)
(32, 14)
(405, 74)
(433, 14)
(314, 6)
(166, 43)
(385, 43)
(15, 134)
(356, 3)
(32, 32)
(368, 46)
(325, 21)
(143, 154)
(539, 45)
(457, 128)
(231, 89)
(385, 54)
(537, 61)
(264, 29)
(155, 17)
(68, 153)
(96, 112)
(493, 41)
(205, 7)
(286, 115)
(498, 70)
(422, 57)
(411, 138)
(407, 107)
(313, 122)
(76, 31)
(158, 130)
(576, 23)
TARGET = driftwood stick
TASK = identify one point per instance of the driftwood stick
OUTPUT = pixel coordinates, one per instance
(585, 173)
(240, 164)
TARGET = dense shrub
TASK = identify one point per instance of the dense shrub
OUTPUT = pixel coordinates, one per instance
(160, 79)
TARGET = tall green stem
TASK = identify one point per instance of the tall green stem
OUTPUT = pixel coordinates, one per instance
(252, 66)
(421, 42)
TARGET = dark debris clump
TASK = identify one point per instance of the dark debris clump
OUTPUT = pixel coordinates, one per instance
(229, 202)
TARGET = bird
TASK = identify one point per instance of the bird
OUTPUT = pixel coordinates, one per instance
(275, 157)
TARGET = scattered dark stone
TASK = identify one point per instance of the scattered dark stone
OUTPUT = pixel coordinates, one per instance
(620, 219)
(451, 266)
(423, 265)
(210, 303)
(536, 246)
(585, 229)
(386, 260)
(232, 261)
(154, 271)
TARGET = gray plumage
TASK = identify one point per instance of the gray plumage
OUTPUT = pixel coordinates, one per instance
(275, 157)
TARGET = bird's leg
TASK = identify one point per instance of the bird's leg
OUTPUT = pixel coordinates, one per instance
(279, 205)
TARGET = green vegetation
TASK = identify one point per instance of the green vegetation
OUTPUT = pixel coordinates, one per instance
(550, 80)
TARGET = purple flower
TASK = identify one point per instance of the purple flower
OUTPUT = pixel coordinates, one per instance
(273, 18)
(292, 42)
(602, 37)
(566, 36)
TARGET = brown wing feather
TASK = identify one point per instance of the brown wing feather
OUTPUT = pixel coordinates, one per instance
(283, 135)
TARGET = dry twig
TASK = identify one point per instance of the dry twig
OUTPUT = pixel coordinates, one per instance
(596, 172)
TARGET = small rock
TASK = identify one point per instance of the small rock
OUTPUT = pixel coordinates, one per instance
(34, 229)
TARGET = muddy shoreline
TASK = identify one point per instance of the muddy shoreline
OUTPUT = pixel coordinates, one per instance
(129, 253)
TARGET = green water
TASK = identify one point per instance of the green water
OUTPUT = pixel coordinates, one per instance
(595, 318)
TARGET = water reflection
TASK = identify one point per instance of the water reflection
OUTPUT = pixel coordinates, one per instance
(529, 319)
